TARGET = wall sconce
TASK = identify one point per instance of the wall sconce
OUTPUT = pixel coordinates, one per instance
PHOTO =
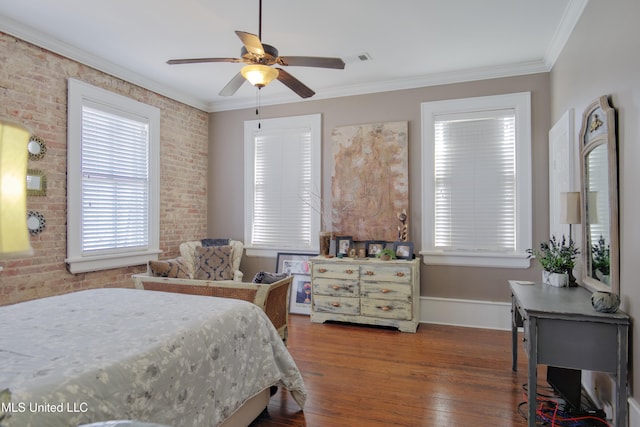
(570, 209)
(14, 235)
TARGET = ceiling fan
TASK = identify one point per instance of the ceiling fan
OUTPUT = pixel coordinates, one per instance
(260, 57)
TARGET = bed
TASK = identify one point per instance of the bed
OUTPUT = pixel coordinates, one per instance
(157, 357)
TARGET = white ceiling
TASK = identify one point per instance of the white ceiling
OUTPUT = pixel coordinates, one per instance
(412, 43)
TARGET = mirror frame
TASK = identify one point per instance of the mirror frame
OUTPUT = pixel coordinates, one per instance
(600, 114)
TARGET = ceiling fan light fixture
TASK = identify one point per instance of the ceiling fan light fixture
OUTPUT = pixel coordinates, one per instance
(259, 75)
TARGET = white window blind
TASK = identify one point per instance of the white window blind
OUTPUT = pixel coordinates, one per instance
(282, 174)
(475, 181)
(282, 177)
(115, 182)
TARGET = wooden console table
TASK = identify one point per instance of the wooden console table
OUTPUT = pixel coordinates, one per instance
(561, 328)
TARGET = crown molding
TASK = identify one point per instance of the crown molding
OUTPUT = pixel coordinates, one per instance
(569, 20)
(37, 38)
(438, 79)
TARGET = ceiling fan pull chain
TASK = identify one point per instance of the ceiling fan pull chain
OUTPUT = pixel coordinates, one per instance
(258, 105)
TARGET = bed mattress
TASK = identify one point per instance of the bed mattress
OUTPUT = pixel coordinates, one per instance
(105, 354)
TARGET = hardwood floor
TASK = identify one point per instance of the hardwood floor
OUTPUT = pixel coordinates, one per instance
(367, 376)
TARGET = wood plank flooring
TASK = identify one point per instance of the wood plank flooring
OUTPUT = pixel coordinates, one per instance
(368, 376)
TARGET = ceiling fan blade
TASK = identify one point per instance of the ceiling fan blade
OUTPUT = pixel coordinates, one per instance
(294, 84)
(251, 42)
(199, 60)
(312, 61)
(232, 87)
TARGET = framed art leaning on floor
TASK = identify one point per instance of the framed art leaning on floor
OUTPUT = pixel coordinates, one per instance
(298, 266)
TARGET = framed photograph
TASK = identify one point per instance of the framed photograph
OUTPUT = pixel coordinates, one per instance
(343, 244)
(298, 266)
(403, 250)
(300, 296)
(373, 247)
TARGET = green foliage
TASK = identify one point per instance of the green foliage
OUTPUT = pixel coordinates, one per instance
(386, 251)
(554, 256)
(600, 253)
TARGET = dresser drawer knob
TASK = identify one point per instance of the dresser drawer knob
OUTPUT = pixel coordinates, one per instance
(349, 271)
(385, 291)
(385, 308)
(400, 274)
(335, 304)
(369, 273)
(335, 287)
(322, 270)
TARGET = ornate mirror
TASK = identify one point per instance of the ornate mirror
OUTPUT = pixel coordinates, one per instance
(37, 148)
(599, 193)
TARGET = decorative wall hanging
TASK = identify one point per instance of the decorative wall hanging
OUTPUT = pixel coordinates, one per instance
(37, 148)
(369, 183)
(35, 222)
(36, 183)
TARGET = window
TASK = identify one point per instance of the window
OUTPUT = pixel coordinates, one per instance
(112, 180)
(282, 176)
(477, 181)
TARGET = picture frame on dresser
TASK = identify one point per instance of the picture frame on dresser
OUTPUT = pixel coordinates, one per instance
(372, 247)
(298, 266)
(403, 250)
(343, 244)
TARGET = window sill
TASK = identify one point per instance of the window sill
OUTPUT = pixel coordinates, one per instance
(273, 253)
(476, 259)
(97, 263)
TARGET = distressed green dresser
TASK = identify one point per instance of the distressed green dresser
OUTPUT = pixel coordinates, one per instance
(366, 290)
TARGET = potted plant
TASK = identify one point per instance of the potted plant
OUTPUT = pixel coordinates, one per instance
(557, 260)
(600, 253)
(386, 254)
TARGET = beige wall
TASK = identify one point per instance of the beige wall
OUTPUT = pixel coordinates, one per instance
(489, 284)
(601, 58)
(33, 91)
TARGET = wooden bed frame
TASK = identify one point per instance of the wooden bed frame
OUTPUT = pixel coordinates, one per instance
(272, 298)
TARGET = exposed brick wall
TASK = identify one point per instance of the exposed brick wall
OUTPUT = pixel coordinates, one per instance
(33, 92)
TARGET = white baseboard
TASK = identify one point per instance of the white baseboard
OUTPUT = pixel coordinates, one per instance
(469, 313)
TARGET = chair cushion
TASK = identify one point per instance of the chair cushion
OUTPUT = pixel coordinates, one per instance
(214, 263)
(188, 252)
(268, 278)
(214, 242)
(174, 268)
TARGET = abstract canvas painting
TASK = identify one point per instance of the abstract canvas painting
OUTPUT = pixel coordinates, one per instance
(369, 182)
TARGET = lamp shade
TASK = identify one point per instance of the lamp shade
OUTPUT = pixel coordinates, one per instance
(259, 75)
(570, 207)
(14, 235)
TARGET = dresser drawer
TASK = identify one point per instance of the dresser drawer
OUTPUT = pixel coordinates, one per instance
(338, 305)
(337, 270)
(388, 309)
(386, 290)
(336, 287)
(386, 273)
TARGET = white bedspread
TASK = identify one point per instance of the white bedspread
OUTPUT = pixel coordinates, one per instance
(105, 354)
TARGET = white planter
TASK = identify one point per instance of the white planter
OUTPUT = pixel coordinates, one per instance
(559, 280)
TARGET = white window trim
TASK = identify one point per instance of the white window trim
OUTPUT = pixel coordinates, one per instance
(521, 102)
(78, 93)
(314, 122)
